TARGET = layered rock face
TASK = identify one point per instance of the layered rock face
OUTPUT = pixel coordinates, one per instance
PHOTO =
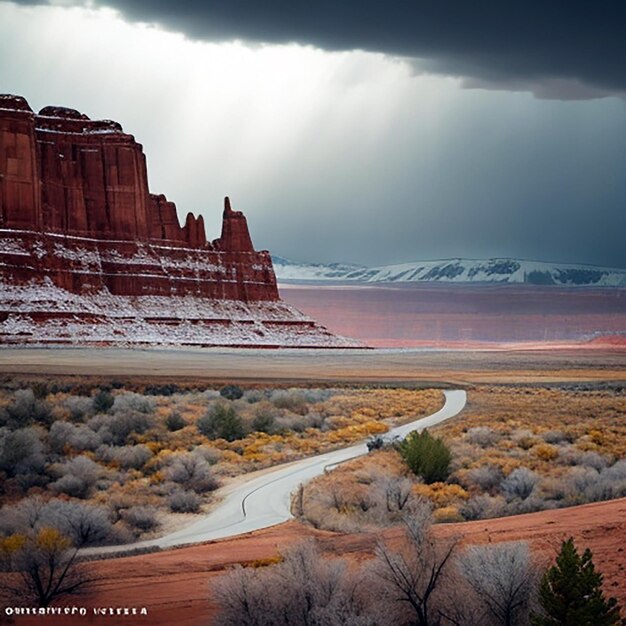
(84, 244)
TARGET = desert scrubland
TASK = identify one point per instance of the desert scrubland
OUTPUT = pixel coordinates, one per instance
(138, 444)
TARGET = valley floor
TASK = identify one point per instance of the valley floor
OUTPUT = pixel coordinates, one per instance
(452, 367)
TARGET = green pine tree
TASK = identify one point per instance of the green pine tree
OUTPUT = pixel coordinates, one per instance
(427, 456)
(570, 593)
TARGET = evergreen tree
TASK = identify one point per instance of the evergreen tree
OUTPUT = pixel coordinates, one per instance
(427, 456)
(221, 422)
(571, 593)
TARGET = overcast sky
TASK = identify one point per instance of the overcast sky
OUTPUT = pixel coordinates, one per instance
(357, 131)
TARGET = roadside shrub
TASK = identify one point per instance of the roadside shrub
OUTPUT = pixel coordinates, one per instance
(78, 436)
(374, 499)
(482, 436)
(127, 457)
(168, 389)
(142, 518)
(299, 423)
(503, 579)
(396, 493)
(221, 422)
(556, 437)
(532, 504)
(574, 456)
(79, 407)
(103, 401)
(184, 502)
(524, 438)
(21, 451)
(175, 421)
(210, 455)
(291, 400)
(231, 392)
(313, 396)
(585, 484)
(116, 429)
(486, 477)
(302, 588)
(580, 478)
(85, 524)
(546, 451)
(26, 409)
(253, 396)
(59, 435)
(78, 477)
(71, 485)
(264, 422)
(616, 472)
(192, 472)
(520, 483)
(133, 402)
(427, 456)
(447, 515)
(482, 507)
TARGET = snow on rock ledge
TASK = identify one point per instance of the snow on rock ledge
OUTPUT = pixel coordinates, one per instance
(88, 255)
(41, 313)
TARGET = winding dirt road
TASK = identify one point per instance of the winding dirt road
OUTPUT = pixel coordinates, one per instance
(265, 500)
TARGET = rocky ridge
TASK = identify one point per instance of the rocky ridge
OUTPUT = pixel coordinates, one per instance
(513, 271)
(89, 255)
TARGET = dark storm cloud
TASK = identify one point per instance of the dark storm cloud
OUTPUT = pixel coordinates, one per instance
(556, 48)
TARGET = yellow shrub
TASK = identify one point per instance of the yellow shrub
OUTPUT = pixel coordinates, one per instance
(51, 540)
(12, 544)
(447, 514)
(269, 560)
(596, 436)
(154, 446)
(546, 452)
(442, 494)
(157, 477)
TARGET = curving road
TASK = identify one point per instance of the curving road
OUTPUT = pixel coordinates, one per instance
(266, 500)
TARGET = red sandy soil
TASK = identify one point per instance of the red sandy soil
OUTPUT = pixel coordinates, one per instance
(174, 585)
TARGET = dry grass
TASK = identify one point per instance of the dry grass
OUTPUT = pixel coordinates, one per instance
(301, 422)
(515, 449)
(528, 423)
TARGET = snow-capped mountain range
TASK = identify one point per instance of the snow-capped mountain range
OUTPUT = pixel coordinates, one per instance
(452, 270)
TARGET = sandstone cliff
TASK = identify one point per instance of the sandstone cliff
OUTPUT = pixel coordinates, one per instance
(87, 253)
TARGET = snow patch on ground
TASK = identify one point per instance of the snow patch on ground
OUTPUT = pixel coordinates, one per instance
(43, 313)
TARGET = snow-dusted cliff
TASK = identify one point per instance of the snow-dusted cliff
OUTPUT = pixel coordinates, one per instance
(42, 313)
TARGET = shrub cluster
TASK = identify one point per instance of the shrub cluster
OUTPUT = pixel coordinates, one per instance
(427, 456)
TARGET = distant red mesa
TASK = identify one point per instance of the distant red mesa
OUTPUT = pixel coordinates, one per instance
(89, 255)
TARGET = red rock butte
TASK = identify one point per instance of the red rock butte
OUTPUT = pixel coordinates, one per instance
(83, 243)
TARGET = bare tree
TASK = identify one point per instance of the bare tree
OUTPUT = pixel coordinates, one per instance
(503, 579)
(244, 598)
(520, 483)
(397, 492)
(303, 590)
(191, 471)
(40, 567)
(413, 576)
(84, 524)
